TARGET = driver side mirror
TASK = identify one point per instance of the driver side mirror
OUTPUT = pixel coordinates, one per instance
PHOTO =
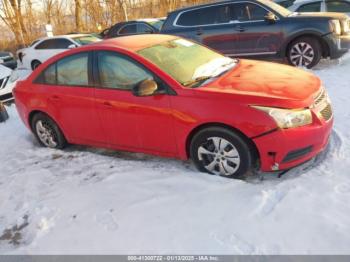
(145, 88)
(270, 17)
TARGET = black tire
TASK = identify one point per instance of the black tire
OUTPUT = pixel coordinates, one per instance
(203, 139)
(295, 58)
(51, 127)
(35, 64)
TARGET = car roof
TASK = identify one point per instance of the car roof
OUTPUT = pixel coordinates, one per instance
(207, 4)
(135, 42)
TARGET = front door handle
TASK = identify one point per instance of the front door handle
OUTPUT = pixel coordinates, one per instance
(239, 28)
(55, 97)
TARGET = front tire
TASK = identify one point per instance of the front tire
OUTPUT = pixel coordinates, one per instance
(220, 151)
(47, 132)
(304, 52)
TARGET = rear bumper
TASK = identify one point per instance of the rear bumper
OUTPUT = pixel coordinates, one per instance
(338, 45)
(285, 149)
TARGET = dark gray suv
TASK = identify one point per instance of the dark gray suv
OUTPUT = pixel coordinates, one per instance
(262, 28)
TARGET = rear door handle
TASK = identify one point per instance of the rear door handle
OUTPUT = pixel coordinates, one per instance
(239, 28)
(106, 103)
(199, 32)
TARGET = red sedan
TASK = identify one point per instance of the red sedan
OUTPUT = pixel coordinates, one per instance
(168, 96)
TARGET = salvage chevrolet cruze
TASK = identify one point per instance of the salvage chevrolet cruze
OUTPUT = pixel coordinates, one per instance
(168, 96)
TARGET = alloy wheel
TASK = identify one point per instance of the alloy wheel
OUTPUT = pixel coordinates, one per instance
(219, 156)
(46, 134)
(302, 54)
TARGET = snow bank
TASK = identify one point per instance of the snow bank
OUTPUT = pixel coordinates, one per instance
(91, 201)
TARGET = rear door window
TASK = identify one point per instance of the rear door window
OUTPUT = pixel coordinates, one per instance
(69, 71)
(128, 29)
(312, 7)
(219, 14)
(144, 29)
(73, 70)
(47, 44)
(62, 43)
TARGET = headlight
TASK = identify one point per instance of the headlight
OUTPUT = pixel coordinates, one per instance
(335, 26)
(288, 118)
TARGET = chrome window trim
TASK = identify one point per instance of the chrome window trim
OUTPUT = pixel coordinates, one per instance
(218, 4)
(251, 54)
(118, 33)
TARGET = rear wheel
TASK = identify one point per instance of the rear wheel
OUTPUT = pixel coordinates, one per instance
(47, 132)
(304, 52)
(220, 151)
(35, 64)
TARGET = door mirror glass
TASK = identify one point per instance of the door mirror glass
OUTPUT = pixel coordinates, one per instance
(146, 88)
(270, 17)
(72, 46)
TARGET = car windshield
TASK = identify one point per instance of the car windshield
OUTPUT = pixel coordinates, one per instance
(188, 63)
(276, 7)
(86, 39)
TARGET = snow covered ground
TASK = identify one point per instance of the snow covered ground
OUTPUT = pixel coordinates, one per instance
(92, 201)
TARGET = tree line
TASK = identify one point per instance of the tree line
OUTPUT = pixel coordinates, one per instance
(25, 20)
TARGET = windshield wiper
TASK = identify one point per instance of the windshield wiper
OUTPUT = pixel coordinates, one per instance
(197, 80)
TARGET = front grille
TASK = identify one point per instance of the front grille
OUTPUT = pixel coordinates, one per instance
(322, 105)
(327, 112)
(320, 97)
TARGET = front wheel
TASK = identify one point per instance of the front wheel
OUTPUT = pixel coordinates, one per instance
(47, 132)
(220, 151)
(304, 52)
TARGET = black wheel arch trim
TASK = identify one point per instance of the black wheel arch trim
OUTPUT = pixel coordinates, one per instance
(304, 33)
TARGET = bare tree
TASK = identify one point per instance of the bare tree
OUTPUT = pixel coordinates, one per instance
(78, 26)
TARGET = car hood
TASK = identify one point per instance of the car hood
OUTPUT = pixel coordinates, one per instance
(268, 84)
(339, 16)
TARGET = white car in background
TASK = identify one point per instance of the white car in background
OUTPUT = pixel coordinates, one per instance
(5, 74)
(8, 79)
(339, 6)
(42, 49)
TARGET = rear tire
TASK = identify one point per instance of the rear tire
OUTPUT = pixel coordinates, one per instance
(35, 64)
(220, 151)
(304, 52)
(47, 132)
